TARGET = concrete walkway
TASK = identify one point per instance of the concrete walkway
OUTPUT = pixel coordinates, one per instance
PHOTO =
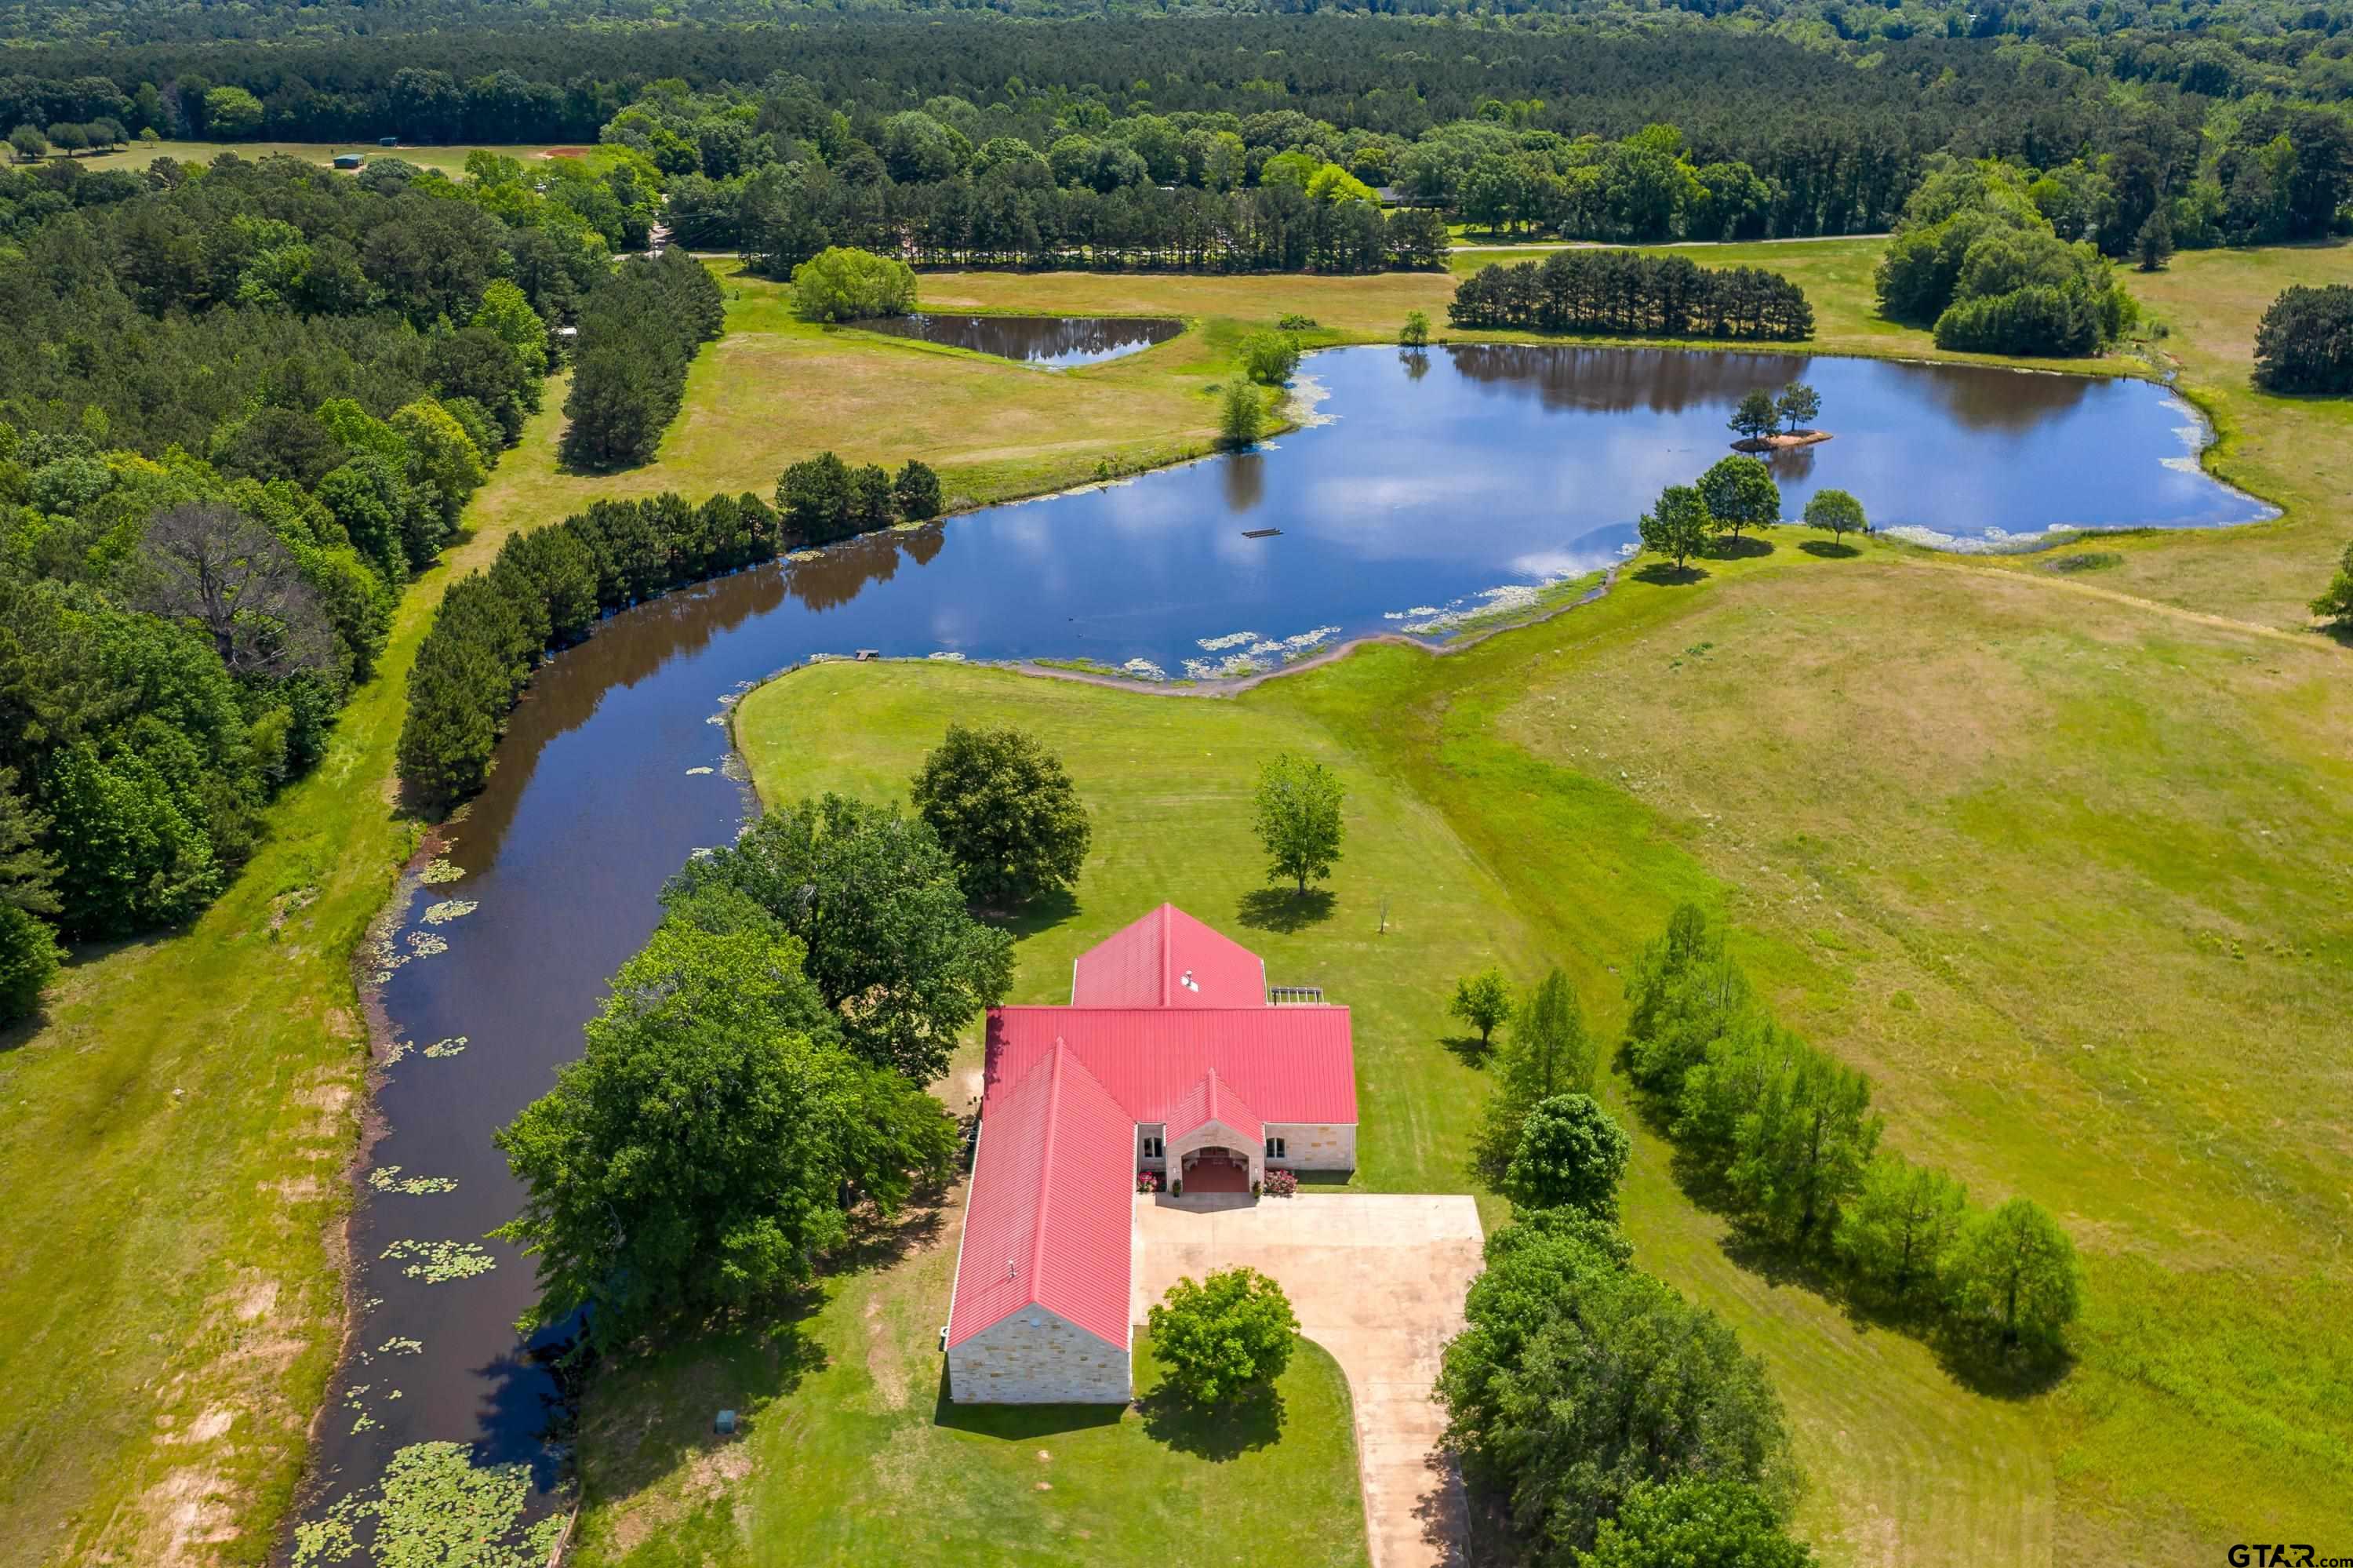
(1377, 1280)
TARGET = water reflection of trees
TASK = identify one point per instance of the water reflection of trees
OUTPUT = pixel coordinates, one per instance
(839, 573)
(1668, 381)
(1243, 476)
(1043, 338)
(1617, 380)
(1984, 399)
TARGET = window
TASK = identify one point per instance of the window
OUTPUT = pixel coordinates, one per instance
(1274, 1150)
(1152, 1149)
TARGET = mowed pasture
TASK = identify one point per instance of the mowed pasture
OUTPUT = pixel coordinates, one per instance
(2063, 872)
(851, 1454)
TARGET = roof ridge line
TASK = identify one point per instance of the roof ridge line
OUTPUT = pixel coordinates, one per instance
(1046, 1167)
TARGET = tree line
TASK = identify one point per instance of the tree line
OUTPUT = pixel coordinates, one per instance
(547, 589)
(639, 329)
(1679, 128)
(242, 405)
(1013, 215)
(1596, 1412)
(1626, 291)
(1787, 1136)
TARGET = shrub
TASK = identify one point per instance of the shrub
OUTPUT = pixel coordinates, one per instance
(28, 958)
(842, 284)
(1223, 1338)
(1282, 1184)
(1294, 321)
(2335, 604)
(1693, 1521)
(1268, 358)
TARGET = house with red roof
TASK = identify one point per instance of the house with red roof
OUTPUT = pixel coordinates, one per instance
(1174, 1057)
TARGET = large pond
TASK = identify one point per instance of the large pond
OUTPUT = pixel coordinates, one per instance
(1435, 486)
(1055, 341)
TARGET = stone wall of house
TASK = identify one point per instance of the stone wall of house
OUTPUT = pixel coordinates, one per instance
(1310, 1145)
(1036, 1357)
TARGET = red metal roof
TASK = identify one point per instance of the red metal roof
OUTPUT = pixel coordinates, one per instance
(1210, 1100)
(1288, 1064)
(1168, 959)
(1046, 1221)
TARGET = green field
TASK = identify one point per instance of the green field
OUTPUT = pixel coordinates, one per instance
(2061, 872)
(2097, 806)
(450, 161)
(851, 1454)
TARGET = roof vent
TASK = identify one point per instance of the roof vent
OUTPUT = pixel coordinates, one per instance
(1009, 1270)
(1187, 982)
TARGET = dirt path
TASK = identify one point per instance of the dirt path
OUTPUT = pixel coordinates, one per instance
(1377, 1279)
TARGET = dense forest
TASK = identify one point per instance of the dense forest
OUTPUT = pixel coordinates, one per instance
(1559, 129)
(2229, 45)
(243, 404)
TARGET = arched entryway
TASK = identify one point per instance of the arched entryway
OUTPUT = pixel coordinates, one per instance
(1216, 1168)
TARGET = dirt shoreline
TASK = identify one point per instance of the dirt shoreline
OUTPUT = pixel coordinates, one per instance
(1781, 441)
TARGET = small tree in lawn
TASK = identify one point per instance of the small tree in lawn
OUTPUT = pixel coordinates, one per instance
(1225, 1338)
(1482, 1000)
(1572, 1155)
(2335, 604)
(2013, 1278)
(1299, 818)
(1799, 406)
(1678, 527)
(1416, 332)
(27, 145)
(1006, 812)
(1755, 418)
(1739, 493)
(2154, 244)
(1837, 511)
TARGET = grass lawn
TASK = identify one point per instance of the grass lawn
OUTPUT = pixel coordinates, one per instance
(173, 1156)
(137, 155)
(2061, 870)
(851, 1454)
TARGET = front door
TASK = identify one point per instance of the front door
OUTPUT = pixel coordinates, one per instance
(1217, 1171)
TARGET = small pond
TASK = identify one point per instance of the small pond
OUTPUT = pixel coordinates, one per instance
(1432, 486)
(1055, 341)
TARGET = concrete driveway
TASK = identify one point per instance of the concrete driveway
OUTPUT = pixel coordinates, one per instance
(1377, 1280)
